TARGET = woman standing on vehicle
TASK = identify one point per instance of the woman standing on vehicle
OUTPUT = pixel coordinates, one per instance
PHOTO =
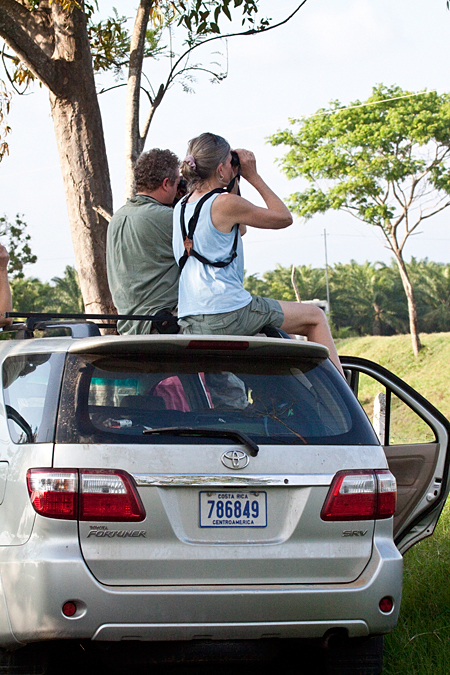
(212, 299)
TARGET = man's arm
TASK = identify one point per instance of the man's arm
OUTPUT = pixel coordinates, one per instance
(5, 290)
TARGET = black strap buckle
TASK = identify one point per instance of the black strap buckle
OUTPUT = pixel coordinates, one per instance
(165, 322)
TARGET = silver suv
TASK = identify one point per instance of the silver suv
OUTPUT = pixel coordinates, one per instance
(191, 491)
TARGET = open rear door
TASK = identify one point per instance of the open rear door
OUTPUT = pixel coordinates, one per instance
(415, 437)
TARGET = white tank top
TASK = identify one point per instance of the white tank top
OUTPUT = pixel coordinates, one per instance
(204, 289)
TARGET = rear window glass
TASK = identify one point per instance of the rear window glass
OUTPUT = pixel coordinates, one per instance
(31, 384)
(116, 399)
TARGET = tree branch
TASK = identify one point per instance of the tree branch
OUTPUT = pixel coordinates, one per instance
(428, 215)
(104, 213)
(423, 217)
(200, 69)
(132, 150)
(114, 86)
(386, 194)
(19, 28)
(154, 105)
(396, 187)
(252, 31)
(362, 220)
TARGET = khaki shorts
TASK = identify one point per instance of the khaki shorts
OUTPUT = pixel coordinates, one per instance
(248, 320)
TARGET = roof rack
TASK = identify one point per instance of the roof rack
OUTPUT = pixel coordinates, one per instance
(84, 325)
(80, 325)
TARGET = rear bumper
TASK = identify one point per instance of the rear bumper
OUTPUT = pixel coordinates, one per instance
(226, 631)
(35, 591)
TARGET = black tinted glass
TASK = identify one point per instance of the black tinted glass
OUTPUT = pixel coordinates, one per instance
(277, 401)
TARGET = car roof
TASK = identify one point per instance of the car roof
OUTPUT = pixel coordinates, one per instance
(178, 344)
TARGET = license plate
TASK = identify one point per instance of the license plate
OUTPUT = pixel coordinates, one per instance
(236, 508)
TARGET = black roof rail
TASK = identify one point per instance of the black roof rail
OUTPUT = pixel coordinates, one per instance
(80, 325)
(88, 325)
(23, 330)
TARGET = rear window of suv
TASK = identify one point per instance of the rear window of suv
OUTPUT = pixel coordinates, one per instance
(117, 398)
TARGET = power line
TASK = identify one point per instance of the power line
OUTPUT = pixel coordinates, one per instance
(364, 105)
(336, 110)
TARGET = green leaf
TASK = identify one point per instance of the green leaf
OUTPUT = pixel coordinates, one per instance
(17, 243)
(226, 11)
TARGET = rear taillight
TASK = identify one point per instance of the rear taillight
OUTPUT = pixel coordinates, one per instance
(109, 496)
(85, 494)
(54, 493)
(361, 495)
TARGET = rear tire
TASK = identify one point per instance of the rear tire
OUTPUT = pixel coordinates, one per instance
(29, 660)
(357, 656)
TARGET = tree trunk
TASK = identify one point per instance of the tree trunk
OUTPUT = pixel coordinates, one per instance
(84, 165)
(134, 144)
(86, 183)
(412, 309)
(376, 324)
(294, 285)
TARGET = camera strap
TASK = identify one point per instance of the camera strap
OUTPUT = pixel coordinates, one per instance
(188, 235)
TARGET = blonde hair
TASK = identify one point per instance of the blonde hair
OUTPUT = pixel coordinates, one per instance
(208, 151)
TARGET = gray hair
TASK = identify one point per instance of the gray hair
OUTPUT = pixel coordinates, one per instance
(208, 151)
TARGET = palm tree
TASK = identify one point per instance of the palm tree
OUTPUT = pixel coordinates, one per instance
(432, 281)
(67, 292)
(367, 297)
(278, 284)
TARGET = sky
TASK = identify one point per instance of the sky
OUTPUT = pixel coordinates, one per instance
(330, 50)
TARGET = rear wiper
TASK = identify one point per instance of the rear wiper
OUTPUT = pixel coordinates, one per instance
(212, 433)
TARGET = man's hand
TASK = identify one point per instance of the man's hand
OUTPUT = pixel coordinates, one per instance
(5, 291)
(4, 258)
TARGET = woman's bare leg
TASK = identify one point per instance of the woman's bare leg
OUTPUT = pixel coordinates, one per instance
(309, 320)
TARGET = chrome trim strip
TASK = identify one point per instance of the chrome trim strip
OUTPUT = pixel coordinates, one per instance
(241, 480)
(115, 632)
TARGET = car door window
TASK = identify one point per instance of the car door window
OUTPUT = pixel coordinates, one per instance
(30, 390)
(404, 426)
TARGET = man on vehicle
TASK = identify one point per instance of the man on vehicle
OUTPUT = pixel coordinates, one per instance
(142, 272)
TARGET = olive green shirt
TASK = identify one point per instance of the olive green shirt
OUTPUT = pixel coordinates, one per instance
(142, 272)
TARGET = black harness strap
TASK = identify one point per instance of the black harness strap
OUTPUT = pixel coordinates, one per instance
(188, 236)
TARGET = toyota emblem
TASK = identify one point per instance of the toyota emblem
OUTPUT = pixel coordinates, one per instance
(235, 459)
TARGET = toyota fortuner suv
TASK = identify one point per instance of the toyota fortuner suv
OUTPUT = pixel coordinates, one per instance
(189, 491)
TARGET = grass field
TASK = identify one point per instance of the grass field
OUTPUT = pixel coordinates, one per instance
(429, 373)
(420, 645)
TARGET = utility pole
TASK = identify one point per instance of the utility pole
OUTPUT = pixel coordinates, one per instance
(326, 269)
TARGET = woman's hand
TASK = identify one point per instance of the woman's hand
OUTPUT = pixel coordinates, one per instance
(228, 209)
(247, 162)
